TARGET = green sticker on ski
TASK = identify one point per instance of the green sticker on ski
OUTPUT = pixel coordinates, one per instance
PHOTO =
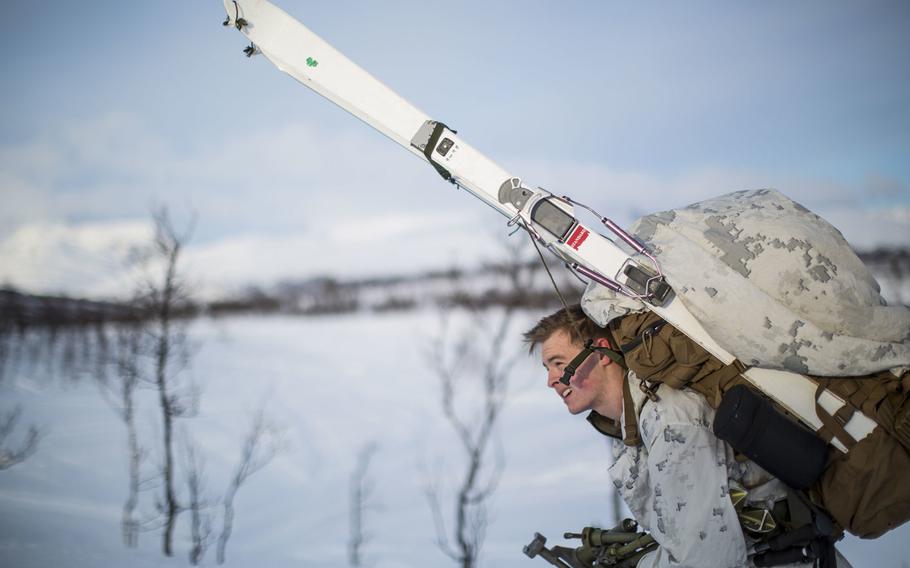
(310, 62)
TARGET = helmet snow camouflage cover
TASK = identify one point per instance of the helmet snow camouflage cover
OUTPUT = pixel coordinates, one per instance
(772, 283)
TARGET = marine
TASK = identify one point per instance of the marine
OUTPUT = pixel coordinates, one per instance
(674, 474)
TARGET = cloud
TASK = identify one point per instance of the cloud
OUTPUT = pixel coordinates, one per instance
(295, 200)
(879, 186)
(276, 179)
(867, 229)
(281, 202)
(346, 247)
(77, 259)
(395, 226)
(91, 259)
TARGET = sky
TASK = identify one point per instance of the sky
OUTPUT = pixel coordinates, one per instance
(112, 108)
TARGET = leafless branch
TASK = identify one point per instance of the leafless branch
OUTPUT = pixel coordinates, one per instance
(128, 375)
(261, 445)
(10, 456)
(198, 503)
(432, 492)
(482, 348)
(159, 298)
(361, 488)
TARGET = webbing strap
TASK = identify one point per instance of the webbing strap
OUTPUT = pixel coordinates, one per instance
(589, 348)
(874, 398)
(630, 417)
(833, 426)
(722, 378)
(610, 428)
(604, 425)
(844, 414)
(614, 356)
(645, 334)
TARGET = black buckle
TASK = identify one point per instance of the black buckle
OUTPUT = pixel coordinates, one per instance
(576, 362)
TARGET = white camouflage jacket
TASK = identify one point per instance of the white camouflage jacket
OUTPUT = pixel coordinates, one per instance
(676, 483)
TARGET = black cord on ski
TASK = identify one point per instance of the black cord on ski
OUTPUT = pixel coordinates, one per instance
(239, 22)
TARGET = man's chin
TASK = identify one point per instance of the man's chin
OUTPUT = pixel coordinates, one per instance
(575, 410)
(576, 404)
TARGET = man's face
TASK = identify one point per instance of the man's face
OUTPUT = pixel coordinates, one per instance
(586, 387)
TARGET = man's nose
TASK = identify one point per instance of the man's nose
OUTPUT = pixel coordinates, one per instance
(553, 376)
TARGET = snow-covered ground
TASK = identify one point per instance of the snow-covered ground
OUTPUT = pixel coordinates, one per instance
(334, 384)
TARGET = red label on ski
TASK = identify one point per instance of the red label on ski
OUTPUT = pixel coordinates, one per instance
(578, 237)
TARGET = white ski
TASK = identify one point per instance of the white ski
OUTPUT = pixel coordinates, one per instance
(550, 219)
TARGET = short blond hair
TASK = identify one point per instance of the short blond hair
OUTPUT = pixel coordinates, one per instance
(573, 321)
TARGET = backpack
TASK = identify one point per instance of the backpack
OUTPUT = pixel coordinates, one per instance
(864, 490)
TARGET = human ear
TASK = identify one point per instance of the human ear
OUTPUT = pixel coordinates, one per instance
(602, 358)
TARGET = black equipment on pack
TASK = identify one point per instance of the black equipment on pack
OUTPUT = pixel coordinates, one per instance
(811, 542)
(753, 427)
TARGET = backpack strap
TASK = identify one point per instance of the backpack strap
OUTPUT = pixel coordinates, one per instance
(601, 423)
(611, 428)
(630, 417)
(833, 424)
(714, 385)
(604, 425)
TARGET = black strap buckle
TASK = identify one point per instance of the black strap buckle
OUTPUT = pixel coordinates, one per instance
(576, 362)
(586, 352)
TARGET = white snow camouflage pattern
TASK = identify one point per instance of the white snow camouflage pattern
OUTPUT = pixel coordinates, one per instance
(772, 283)
(677, 482)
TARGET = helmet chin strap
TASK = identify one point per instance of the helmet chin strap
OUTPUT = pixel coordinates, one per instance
(586, 352)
